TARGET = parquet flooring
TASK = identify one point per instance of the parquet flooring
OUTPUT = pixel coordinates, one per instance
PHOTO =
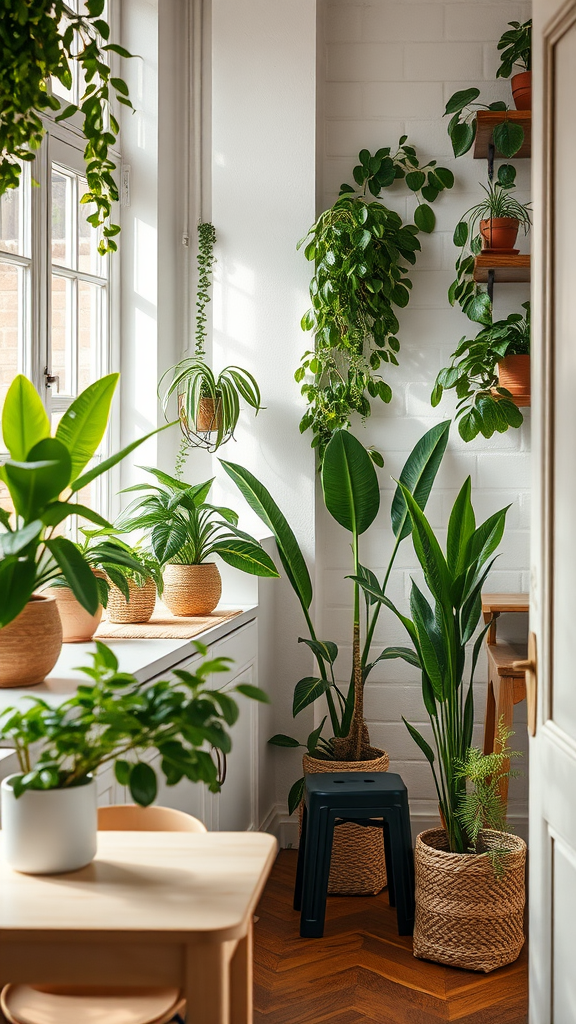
(362, 972)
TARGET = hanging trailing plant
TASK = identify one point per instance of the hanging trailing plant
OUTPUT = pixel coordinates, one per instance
(44, 40)
(205, 264)
(362, 252)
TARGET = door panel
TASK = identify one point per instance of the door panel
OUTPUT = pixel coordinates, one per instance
(564, 915)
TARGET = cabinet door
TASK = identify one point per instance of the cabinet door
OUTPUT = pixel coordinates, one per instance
(234, 808)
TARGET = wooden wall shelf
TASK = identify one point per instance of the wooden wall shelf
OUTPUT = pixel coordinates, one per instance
(506, 268)
(486, 120)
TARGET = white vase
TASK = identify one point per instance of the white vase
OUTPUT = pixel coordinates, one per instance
(49, 831)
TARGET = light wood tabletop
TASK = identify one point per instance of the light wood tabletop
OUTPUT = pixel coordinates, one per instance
(154, 908)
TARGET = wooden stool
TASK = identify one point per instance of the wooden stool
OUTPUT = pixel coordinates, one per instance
(506, 687)
(332, 798)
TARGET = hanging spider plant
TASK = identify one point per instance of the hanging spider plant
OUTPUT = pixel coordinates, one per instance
(210, 405)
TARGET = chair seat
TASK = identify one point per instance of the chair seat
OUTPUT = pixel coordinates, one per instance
(24, 1004)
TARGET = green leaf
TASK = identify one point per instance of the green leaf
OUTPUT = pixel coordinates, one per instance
(461, 99)
(17, 582)
(460, 236)
(425, 218)
(295, 795)
(419, 739)
(84, 423)
(508, 138)
(34, 484)
(460, 528)
(429, 554)
(24, 419)
(16, 541)
(307, 691)
(415, 180)
(312, 741)
(418, 475)
(430, 642)
(247, 556)
(58, 511)
(445, 176)
(462, 137)
(253, 692)
(349, 483)
(479, 309)
(280, 740)
(143, 784)
(77, 572)
(323, 649)
(122, 771)
(404, 653)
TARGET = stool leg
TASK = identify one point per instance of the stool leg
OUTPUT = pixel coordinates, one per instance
(300, 864)
(403, 867)
(317, 853)
(389, 865)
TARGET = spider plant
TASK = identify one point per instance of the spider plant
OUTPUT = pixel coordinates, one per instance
(497, 203)
(208, 403)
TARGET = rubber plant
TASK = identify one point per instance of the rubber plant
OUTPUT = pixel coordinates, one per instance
(42, 41)
(362, 252)
(208, 404)
(351, 493)
(484, 407)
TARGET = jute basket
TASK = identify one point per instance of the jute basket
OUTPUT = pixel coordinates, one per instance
(192, 589)
(140, 606)
(466, 916)
(30, 645)
(358, 866)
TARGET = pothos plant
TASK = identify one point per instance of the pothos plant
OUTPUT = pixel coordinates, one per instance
(483, 406)
(362, 252)
(40, 42)
(508, 135)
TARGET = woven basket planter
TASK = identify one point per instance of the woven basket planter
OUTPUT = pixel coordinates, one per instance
(140, 606)
(192, 589)
(465, 916)
(357, 867)
(30, 645)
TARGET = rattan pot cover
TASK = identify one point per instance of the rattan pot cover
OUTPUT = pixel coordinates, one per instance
(357, 867)
(78, 625)
(465, 915)
(138, 609)
(191, 589)
(31, 644)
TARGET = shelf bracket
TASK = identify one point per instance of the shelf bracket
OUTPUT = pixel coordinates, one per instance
(491, 155)
(491, 284)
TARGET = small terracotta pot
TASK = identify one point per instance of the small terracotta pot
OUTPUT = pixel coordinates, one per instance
(78, 626)
(191, 589)
(30, 645)
(522, 90)
(499, 232)
(514, 375)
(138, 609)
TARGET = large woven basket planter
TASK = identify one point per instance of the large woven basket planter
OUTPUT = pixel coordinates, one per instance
(358, 866)
(191, 589)
(140, 606)
(465, 915)
(30, 645)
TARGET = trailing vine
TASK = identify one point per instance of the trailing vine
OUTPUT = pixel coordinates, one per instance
(205, 262)
(40, 41)
(362, 253)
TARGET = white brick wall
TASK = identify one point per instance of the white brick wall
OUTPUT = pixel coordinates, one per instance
(390, 67)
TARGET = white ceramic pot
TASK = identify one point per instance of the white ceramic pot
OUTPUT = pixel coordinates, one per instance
(49, 831)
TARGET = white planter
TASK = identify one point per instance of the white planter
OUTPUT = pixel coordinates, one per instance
(49, 831)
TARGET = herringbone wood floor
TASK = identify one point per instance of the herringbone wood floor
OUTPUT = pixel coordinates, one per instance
(362, 972)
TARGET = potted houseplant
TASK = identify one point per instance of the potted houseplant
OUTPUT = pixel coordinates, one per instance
(208, 405)
(185, 531)
(498, 217)
(516, 47)
(43, 475)
(132, 595)
(49, 807)
(464, 916)
(351, 492)
(491, 376)
(508, 135)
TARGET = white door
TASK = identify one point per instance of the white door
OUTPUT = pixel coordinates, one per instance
(553, 748)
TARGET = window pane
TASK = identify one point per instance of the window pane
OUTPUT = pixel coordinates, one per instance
(11, 221)
(62, 219)
(90, 333)
(12, 313)
(89, 260)
(62, 333)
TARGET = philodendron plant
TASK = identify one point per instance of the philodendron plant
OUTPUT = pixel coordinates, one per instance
(352, 497)
(463, 106)
(44, 476)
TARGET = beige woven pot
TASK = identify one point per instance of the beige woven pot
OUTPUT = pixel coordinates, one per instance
(138, 609)
(78, 626)
(465, 916)
(191, 589)
(357, 867)
(31, 644)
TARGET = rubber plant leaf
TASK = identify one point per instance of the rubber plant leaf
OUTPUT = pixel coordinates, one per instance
(24, 418)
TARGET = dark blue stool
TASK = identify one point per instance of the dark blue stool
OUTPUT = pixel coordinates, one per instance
(334, 798)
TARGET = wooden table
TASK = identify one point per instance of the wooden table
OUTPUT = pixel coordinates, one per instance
(494, 605)
(154, 909)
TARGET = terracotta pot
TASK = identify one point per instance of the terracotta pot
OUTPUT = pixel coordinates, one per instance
(191, 589)
(357, 865)
(466, 916)
(514, 374)
(78, 626)
(522, 90)
(499, 232)
(138, 609)
(30, 645)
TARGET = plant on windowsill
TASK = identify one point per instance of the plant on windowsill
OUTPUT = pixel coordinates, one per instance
(43, 476)
(41, 42)
(208, 405)
(491, 376)
(132, 592)
(185, 531)
(360, 250)
(112, 719)
(465, 916)
(516, 47)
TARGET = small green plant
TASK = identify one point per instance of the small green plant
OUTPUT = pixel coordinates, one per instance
(483, 406)
(106, 553)
(41, 41)
(516, 48)
(361, 252)
(114, 719)
(508, 135)
(205, 263)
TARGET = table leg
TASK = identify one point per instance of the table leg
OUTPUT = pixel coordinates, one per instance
(505, 712)
(241, 982)
(207, 984)
(489, 718)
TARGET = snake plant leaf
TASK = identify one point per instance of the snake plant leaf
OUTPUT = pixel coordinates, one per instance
(418, 476)
(245, 555)
(430, 641)
(76, 572)
(350, 483)
(461, 526)
(486, 538)
(17, 581)
(419, 739)
(24, 418)
(306, 691)
(84, 423)
(430, 556)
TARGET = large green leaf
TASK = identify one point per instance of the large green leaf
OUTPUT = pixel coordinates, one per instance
(16, 541)
(418, 475)
(262, 503)
(307, 691)
(24, 418)
(17, 582)
(486, 538)
(58, 511)
(76, 571)
(84, 423)
(350, 483)
(432, 656)
(460, 528)
(103, 467)
(245, 555)
(430, 556)
(35, 483)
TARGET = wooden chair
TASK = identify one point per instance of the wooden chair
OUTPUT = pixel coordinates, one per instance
(35, 1004)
